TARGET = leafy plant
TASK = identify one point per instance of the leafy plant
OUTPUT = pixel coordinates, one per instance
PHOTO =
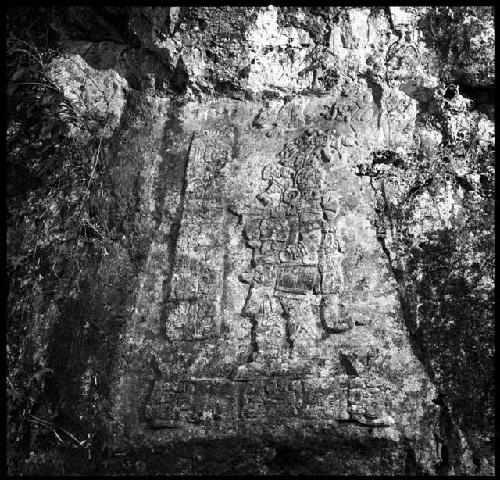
(56, 219)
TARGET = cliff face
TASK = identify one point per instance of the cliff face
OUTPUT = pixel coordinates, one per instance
(280, 257)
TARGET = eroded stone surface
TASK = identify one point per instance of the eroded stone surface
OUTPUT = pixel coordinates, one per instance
(276, 203)
(280, 313)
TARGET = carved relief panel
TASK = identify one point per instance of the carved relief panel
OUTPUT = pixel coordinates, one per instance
(297, 256)
(197, 276)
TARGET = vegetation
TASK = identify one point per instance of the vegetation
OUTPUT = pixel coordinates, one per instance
(57, 234)
(436, 216)
(65, 219)
(465, 38)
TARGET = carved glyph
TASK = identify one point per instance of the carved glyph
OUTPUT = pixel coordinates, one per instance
(194, 306)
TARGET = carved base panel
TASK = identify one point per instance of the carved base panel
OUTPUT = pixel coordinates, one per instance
(220, 406)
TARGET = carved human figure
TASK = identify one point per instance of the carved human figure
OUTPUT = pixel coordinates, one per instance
(297, 257)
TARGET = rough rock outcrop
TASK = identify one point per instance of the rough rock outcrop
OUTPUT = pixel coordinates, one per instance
(276, 190)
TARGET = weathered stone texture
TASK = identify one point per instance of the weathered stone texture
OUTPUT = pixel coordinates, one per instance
(274, 146)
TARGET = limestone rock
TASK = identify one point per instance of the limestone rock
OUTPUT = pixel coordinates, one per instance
(291, 200)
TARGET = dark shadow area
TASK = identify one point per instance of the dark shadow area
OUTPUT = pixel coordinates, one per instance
(483, 98)
(173, 177)
(455, 329)
(331, 454)
(447, 300)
